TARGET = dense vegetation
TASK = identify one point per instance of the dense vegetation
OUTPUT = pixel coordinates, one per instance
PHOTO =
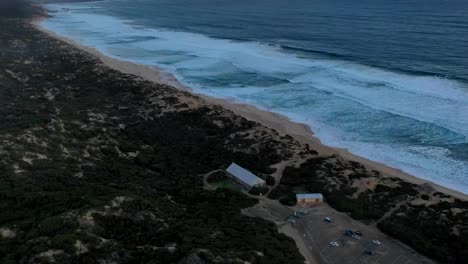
(439, 230)
(334, 177)
(97, 166)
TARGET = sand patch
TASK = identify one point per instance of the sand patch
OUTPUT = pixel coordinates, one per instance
(80, 247)
(7, 233)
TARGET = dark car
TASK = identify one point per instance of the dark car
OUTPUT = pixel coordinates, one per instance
(367, 252)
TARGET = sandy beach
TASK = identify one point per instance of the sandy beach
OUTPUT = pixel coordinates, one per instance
(300, 132)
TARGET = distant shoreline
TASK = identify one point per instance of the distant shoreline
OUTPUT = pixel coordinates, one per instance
(68, 1)
(300, 132)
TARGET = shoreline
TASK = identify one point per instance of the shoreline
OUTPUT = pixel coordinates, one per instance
(299, 131)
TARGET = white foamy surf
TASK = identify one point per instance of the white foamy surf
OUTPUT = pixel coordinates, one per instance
(415, 123)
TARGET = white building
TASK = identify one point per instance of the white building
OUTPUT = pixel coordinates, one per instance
(245, 177)
(309, 198)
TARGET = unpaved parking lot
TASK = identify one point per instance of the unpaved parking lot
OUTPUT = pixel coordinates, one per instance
(313, 234)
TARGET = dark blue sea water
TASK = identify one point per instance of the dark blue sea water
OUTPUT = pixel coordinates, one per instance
(386, 79)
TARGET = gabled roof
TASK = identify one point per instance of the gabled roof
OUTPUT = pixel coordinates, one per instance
(244, 175)
(309, 196)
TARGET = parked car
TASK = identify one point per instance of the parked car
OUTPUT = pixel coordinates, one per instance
(303, 212)
(367, 252)
(292, 221)
(327, 219)
(296, 214)
(334, 243)
(377, 242)
(348, 233)
(355, 236)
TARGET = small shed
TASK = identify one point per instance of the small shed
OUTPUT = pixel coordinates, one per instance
(245, 177)
(309, 198)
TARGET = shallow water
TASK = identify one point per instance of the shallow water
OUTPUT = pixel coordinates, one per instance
(387, 80)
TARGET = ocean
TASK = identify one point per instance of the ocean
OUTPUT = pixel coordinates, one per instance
(385, 79)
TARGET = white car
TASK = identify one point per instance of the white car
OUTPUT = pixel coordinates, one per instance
(377, 242)
(355, 236)
(291, 220)
(334, 243)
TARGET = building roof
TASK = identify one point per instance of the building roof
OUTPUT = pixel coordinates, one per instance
(244, 175)
(309, 196)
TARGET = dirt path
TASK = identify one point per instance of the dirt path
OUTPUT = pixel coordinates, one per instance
(273, 211)
(205, 177)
